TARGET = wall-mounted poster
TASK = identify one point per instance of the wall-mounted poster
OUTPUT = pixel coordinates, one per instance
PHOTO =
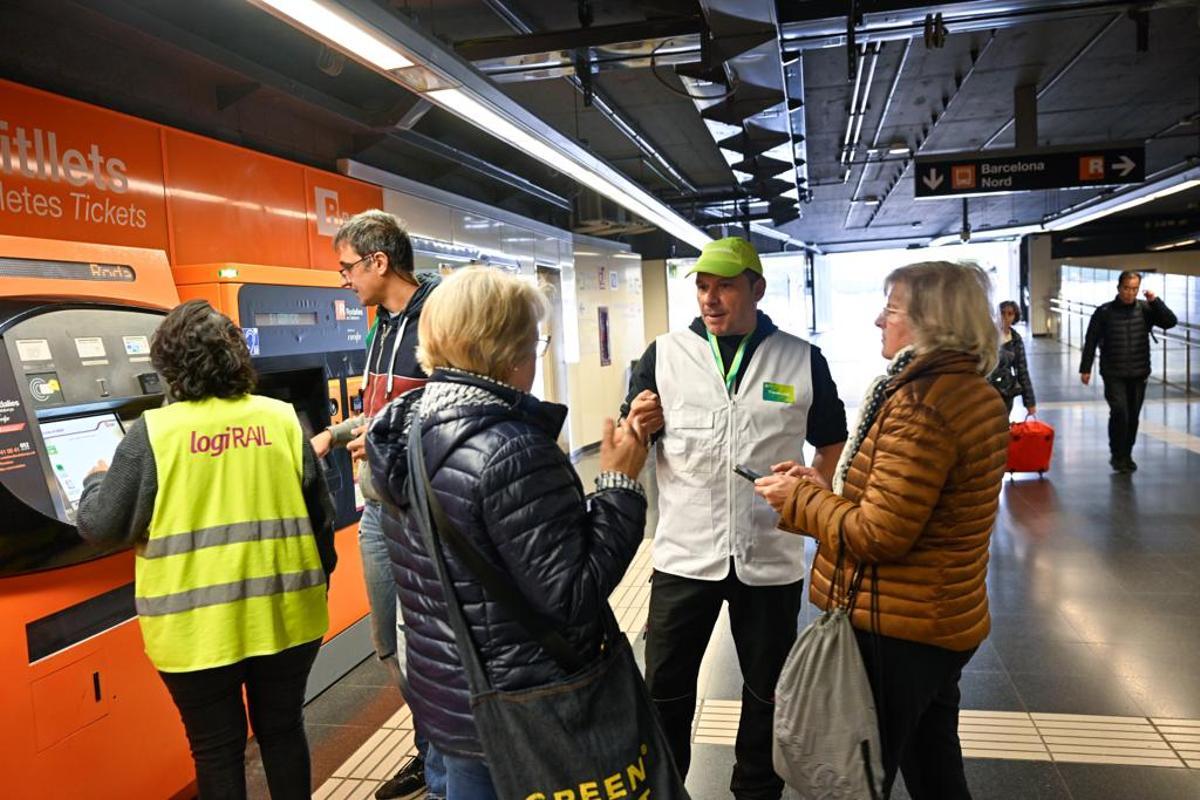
(605, 340)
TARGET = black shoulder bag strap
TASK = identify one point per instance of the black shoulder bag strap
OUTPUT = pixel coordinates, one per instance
(499, 586)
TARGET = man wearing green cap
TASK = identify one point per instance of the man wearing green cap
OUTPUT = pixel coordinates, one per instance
(731, 390)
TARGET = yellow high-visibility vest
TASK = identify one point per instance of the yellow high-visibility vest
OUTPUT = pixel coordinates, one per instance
(231, 568)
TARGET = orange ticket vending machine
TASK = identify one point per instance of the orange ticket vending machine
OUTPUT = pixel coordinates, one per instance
(84, 713)
(307, 336)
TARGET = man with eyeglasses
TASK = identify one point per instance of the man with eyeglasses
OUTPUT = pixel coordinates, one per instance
(376, 262)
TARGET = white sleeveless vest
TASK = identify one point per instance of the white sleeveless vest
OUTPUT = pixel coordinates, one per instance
(707, 513)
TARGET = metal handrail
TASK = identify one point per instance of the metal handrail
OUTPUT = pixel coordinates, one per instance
(1063, 307)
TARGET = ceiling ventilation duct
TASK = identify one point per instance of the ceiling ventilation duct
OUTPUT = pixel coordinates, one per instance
(596, 215)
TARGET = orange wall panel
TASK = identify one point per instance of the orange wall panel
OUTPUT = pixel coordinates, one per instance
(73, 171)
(231, 204)
(332, 199)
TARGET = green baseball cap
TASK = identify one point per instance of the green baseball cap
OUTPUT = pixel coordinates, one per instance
(728, 258)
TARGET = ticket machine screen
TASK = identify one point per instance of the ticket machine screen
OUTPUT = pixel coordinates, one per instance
(75, 445)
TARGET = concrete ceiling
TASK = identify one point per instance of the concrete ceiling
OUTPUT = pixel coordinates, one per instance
(227, 69)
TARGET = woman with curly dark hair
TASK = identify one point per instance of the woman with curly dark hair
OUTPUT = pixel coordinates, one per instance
(221, 497)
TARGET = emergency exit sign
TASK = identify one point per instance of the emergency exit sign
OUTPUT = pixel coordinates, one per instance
(966, 174)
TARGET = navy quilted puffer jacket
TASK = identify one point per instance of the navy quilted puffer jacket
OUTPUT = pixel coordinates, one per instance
(495, 466)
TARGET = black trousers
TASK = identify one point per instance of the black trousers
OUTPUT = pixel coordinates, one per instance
(1124, 397)
(214, 716)
(683, 612)
(916, 699)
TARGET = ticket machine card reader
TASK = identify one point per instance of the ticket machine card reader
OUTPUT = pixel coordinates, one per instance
(71, 380)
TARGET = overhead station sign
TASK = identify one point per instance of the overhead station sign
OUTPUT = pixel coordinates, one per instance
(975, 173)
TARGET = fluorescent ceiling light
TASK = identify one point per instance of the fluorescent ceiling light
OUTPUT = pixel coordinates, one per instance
(388, 43)
(1088, 215)
(633, 198)
(1171, 245)
(985, 235)
(326, 24)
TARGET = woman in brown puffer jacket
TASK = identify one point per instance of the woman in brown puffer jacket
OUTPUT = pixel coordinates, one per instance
(916, 496)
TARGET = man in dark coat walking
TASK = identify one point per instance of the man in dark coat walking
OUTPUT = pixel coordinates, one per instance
(1122, 328)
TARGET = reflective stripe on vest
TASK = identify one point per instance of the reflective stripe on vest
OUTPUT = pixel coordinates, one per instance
(228, 592)
(256, 531)
(231, 568)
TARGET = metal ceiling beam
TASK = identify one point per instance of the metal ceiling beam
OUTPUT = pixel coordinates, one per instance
(887, 106)
(825, 21)
(1063, 70)
(683, 51)
(479, 166)
(949, 102)
(614, 36)
(259, 74)
(604, 104)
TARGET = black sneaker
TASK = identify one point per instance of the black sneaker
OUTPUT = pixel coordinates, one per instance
(1130, 465)
(407, 784)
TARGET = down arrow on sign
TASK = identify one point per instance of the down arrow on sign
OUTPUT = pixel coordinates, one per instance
(934, 179)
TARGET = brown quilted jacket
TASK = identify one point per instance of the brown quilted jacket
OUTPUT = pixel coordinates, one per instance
(920, 500)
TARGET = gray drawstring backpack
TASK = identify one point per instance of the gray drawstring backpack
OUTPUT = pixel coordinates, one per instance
(826, 742)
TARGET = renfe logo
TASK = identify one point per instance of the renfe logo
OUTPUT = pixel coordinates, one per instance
(234, 436)
(37, 156)
(329, 213)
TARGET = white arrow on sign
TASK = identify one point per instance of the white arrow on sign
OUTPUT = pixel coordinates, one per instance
(934, 179)
(1125, 166)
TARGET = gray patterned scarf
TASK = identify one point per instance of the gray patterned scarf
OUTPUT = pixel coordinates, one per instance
(872, 401)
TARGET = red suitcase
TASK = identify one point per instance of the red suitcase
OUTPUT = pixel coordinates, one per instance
(1030, 446)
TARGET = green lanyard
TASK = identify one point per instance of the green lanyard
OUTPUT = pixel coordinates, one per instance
(731, 373)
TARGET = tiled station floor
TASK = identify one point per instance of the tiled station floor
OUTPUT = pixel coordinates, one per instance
(1089, 685)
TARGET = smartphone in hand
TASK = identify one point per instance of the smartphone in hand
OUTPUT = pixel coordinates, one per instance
(747, 473)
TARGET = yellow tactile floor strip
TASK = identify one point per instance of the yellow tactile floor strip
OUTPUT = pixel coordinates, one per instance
(1078, 738)
(385, 752)
(1170, 436)
(374, 762)
(1081, 738)
(631, 599)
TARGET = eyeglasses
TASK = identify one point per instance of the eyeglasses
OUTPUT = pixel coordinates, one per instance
(891, 311)
(345, 269)
(543, 345)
